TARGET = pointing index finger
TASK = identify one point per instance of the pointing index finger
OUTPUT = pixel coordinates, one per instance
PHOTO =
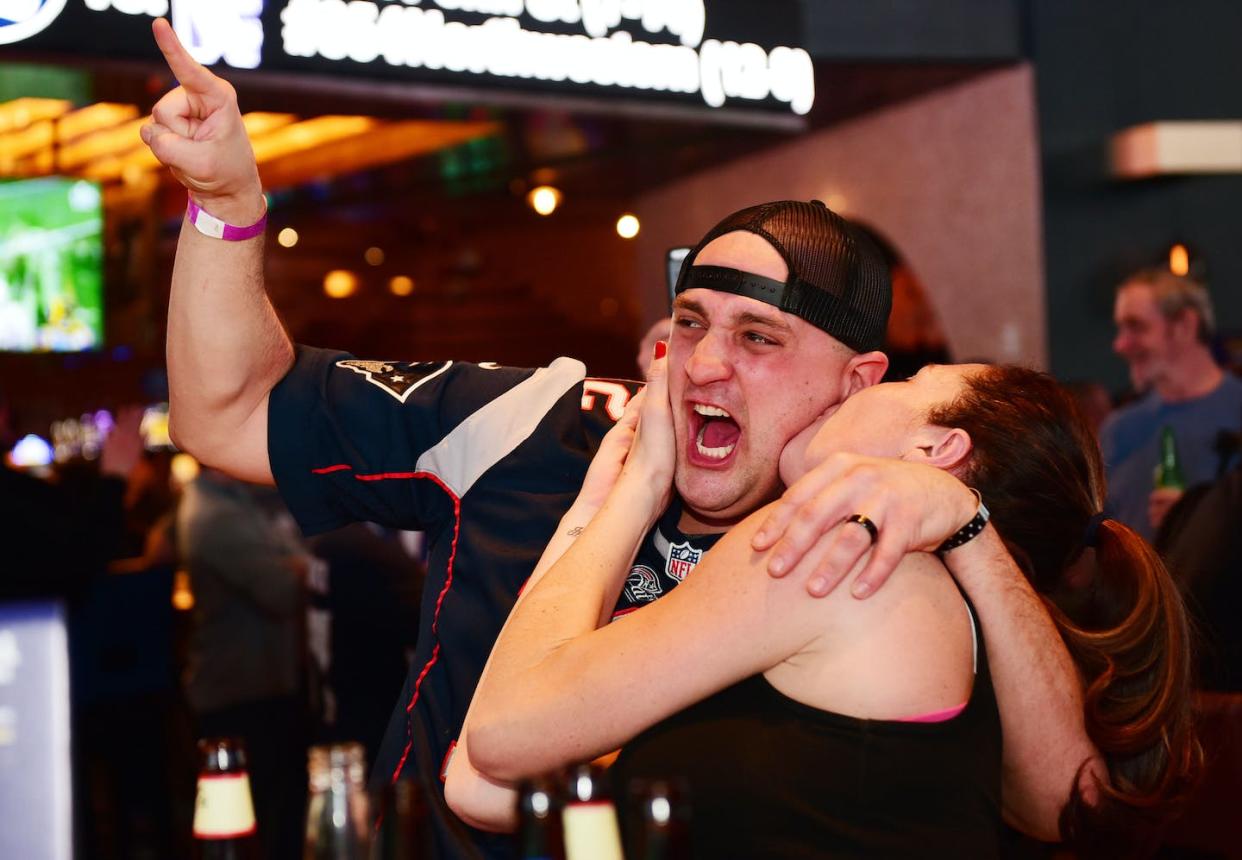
(189, 73)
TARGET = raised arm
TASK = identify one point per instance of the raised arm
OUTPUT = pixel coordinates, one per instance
(226, 346)
(916, 507)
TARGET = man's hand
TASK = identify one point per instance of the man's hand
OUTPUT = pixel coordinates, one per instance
(1159, 503)
(914, 507)
(197, 132)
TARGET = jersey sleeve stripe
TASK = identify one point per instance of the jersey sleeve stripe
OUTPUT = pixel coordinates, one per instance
(491, 433)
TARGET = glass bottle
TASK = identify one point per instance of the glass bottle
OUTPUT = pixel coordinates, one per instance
(404, 831)
(657, 821)
(540, 805)
(1169, 470)
(224, 825)
(337, 819)
(589, 819)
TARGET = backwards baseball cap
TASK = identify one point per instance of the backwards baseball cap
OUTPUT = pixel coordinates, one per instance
(838, 280)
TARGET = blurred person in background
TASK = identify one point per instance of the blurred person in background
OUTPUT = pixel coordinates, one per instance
(370, 600)
(1165, 326)
(659, 330)
(246, 668)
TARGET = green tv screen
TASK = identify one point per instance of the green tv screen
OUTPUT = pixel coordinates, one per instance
(51, 265)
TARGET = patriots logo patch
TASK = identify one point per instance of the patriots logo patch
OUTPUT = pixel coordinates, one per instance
(681, 560)
(397, 378)
(642, 585)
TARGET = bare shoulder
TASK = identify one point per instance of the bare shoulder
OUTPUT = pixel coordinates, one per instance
(904, 650)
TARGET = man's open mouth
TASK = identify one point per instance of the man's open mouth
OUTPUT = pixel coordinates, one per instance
(716, 434)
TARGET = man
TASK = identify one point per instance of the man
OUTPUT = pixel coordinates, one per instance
(487, 459)
(1165, 326)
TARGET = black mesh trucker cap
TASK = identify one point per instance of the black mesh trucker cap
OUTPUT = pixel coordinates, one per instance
(838, 280)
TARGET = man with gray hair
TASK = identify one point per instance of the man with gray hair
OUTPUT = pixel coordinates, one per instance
(1165, 326)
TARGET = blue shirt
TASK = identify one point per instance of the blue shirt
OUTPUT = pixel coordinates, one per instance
(1130, 441)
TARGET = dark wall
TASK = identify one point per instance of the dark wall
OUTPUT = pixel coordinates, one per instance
(1101, 67)
(913, 29)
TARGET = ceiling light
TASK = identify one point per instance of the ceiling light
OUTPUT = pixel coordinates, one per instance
(627, 226)
(544, 199)
(340, 284)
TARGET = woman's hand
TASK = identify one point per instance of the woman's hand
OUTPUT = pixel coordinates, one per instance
(606, 465)
(652, 456)
(914, 507)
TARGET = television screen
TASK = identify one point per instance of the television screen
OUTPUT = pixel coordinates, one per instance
(51, 265)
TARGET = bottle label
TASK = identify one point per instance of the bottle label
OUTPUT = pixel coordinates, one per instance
(223, 808)
(591, 832)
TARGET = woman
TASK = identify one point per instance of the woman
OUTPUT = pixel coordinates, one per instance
(876, 719)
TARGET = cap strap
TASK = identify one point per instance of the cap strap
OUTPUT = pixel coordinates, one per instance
(821, 309)
(735, 281)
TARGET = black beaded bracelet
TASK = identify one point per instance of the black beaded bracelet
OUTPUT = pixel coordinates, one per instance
(968, 531)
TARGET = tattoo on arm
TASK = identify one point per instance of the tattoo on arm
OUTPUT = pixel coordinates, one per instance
(575, 531)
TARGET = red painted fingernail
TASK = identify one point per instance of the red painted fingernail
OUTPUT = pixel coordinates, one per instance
(661, 347)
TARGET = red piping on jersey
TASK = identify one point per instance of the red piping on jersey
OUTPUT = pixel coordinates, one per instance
(448, 583)
(444, 764)
(328, 469)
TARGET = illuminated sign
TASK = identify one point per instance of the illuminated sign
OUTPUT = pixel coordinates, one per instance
(400, 34)
(21, 19)
(211, 30)
(735, 54)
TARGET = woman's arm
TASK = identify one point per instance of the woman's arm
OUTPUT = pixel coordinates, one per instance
(490, 804)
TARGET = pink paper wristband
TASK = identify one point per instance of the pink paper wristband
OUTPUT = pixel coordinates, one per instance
(210, 225)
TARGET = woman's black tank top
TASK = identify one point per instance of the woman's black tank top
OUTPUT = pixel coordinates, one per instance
(769, 777)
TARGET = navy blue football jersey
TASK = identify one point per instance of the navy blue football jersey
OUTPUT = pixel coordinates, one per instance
(485, 460)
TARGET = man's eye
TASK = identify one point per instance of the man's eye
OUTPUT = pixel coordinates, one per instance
(755, 337)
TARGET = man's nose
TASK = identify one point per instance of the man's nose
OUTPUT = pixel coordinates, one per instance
(1120, 343)
(709, 361)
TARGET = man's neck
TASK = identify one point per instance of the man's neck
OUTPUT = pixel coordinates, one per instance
(1192, 377)
(691, 523)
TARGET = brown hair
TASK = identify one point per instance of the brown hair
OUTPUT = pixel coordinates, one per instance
(1037, 465)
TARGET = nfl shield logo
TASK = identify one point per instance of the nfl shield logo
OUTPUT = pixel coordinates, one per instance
(681, 560)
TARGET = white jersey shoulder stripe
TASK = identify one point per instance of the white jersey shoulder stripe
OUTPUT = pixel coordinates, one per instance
(495, 430)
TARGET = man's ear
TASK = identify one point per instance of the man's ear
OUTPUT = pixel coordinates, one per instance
(943, 447)
(1185, 326)
(863, 371)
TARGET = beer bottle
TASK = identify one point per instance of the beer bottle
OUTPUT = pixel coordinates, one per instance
(1169, 470)
(589, 819)
(540, 805)
(657, 821)
(224, 826)
(404, 831)
(337, 819)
